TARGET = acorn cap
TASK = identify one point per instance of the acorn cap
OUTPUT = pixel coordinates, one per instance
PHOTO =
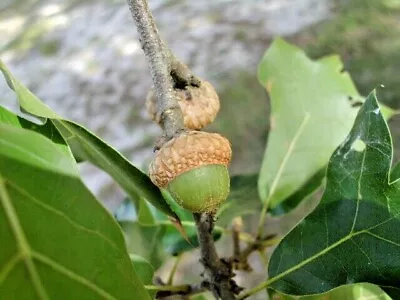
(199, 105)
(188, 151)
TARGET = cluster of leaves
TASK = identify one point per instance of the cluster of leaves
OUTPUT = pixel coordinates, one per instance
(58, 242)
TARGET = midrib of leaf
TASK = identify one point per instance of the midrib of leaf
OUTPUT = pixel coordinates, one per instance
(22, 242)
(288, 154)
(359, 196)
(278, 176)
(27, 253)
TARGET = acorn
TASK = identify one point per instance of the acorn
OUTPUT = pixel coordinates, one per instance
(199, 105)
(193, 168)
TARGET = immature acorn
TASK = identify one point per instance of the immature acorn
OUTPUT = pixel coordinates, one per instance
(199, 105)
(193, 167)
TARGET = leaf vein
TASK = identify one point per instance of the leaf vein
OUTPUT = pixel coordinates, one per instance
(21, 240)
(61, 214)
(72, 275)
(9, 266)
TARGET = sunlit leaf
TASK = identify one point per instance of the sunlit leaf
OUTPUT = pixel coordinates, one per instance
(57, 241)
(354, 233)
(85, 145)
(359, 291)
(311, 113)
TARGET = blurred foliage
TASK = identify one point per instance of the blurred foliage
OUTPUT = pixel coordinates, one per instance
(366, 35)
(246, 128)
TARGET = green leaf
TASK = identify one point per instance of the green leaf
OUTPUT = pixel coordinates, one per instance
(354, 233)
(85, 145)
(359, 291)
(243, 199)
(145, 241)
(311, 113)
(303, 192)
(144, 270)
(48, 130)
(50, 248)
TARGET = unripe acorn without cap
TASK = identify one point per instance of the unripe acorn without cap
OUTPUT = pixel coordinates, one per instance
(193, 167)
(199, 105)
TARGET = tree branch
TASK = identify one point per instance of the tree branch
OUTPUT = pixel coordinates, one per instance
(168, 73)
(166, 70)
(217, 271)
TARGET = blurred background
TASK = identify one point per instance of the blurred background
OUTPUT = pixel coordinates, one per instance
(83, 59)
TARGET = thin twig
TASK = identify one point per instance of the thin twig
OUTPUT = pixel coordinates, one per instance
(237, 225)
(168, 109)
(167, 74)
(170, 290)
(217, 271)
(174, 269)
(166, 70)
(240, 260)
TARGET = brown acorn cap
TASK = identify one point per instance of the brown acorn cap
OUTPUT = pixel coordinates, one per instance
(199, 105)
(188, 151)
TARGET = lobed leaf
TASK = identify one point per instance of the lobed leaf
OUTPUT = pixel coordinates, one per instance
(311, 113)
(354, 233)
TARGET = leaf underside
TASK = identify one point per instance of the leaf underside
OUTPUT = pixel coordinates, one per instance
(354, 233)
(311, 113)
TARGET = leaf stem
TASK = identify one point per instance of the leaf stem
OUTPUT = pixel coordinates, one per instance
(174, 269)
(164, 291)
(278, 176)
(170, 288)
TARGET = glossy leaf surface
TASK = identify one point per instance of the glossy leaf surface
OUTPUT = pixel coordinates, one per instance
(354, 233)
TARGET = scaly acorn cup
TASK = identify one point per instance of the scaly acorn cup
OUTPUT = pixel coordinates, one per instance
(199, 105)
(193, 167)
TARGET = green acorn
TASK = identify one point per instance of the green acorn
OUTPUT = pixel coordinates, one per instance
(193, 167)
